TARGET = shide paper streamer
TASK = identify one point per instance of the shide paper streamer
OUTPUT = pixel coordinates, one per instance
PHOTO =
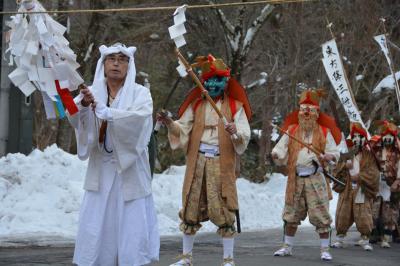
(43, 59)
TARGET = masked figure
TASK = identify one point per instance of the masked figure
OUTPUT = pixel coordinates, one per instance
(361, 175)
(209, 189)
(386, 206)
(307, 191)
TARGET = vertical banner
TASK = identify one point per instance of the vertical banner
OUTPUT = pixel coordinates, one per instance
(335, 71)
(382, 41)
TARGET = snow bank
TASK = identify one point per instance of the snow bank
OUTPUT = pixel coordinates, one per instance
(40, 195)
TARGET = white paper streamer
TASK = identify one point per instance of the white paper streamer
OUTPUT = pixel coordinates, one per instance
(38, 47)
(181, 69)
(176, 33)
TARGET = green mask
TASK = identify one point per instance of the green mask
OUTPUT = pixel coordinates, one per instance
(215, 85)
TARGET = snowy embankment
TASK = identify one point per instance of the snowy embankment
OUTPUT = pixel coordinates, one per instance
(40, 195)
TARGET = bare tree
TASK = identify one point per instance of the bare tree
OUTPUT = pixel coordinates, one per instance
(239, 37)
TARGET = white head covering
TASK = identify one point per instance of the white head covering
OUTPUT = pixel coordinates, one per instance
(99, 83)
(115, 49)
(29, 4)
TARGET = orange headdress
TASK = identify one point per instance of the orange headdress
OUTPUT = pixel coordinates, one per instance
(211, 66)
(385, 127)
(312, 97)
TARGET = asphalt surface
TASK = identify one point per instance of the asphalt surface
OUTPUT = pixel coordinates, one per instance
(251, 249)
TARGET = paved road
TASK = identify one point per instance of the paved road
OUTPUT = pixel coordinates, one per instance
(252, 249)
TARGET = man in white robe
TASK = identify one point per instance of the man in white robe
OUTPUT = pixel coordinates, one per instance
(117, 223)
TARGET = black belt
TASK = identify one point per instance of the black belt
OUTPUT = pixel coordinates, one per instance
(203, 152)
(303, 176)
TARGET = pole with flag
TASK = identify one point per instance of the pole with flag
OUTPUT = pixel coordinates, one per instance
(334, 68)
(382, 40)
(184, 68)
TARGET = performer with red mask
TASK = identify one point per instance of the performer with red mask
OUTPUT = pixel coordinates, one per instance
(307, 190)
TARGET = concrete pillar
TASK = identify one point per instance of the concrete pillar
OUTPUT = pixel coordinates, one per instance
(4, 82)
(16, 111)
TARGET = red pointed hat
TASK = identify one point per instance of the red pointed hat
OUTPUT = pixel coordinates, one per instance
(357, 128)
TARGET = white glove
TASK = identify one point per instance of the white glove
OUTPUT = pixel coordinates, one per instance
(102, 111)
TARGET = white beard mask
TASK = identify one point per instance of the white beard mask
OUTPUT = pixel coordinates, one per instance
(358, 140)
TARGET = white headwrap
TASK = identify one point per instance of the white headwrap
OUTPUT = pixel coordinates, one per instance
(30, 4)
(99, 83)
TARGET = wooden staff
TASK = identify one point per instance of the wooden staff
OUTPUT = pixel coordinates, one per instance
(196, 80)
(311, 148)
(314, 150)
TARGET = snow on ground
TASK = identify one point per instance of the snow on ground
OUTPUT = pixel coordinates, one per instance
(40, 195)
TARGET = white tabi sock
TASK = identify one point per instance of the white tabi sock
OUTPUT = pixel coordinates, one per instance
(340, 238)
(324, 242)
(228, 244)
(188, 241)
(289, 240)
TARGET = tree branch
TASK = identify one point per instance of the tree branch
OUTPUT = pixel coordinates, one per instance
(227, 25)
(255, 27)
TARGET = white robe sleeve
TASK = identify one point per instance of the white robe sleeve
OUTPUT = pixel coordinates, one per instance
(131, 129)
(243, 132)
(179, 130)
(281, 149)
(331, 147)
(84, 124)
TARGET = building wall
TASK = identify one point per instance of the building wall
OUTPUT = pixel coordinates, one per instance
(16, 111)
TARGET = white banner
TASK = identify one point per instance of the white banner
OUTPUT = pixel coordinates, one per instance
(382, 41)
(335, 71)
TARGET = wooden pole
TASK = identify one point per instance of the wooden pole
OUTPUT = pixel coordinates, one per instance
(311, 148)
